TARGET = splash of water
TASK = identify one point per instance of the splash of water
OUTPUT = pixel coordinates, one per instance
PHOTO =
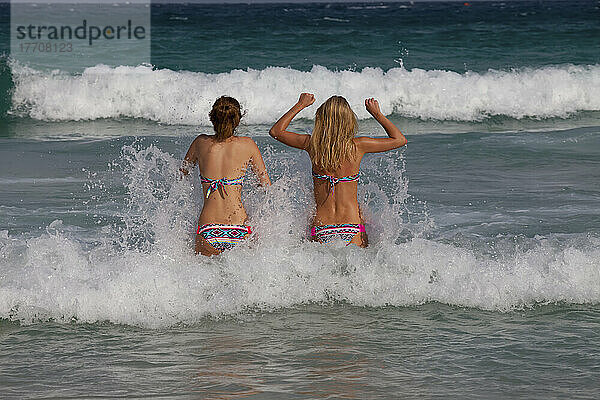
(142, 270)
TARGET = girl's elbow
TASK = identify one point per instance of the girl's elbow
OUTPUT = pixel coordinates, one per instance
(401, 142)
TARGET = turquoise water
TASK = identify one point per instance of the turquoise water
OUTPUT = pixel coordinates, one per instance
(482, 278)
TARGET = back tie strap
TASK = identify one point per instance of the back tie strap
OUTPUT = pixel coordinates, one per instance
(215, 184)
(334, 181)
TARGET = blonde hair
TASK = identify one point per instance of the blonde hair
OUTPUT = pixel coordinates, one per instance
(331, 141)
(225, 116)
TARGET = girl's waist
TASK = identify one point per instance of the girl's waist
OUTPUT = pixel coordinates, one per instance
(223, 215)
(328, 216)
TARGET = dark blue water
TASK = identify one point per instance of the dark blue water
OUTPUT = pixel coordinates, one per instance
(426, 35)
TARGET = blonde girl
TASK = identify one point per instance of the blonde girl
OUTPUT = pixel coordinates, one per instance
(335, 153)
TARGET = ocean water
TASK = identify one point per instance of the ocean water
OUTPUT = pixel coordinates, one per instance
(482, 278)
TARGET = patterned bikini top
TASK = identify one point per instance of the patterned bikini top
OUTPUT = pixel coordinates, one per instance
(334, 181)
(214, 184)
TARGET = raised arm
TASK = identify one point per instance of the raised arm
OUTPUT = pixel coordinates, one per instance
(258, 165)
(394, 140)
(279, 130)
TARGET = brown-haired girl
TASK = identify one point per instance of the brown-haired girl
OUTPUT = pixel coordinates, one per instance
(222, 159)
(336, 154)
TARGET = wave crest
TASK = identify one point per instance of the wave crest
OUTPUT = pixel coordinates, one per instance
(183, 97)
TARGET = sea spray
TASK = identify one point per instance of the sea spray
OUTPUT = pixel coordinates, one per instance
(143, 271)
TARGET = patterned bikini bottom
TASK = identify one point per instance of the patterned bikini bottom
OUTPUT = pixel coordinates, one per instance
(345, 232)
(223, 237)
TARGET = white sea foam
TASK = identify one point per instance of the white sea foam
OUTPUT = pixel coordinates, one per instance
(333, 19)
(143, 272)
(182, 97)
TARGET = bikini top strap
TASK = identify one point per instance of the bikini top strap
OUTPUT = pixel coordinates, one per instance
(214, 184)
(334, 181)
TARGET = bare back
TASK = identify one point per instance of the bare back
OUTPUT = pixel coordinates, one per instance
(338, 204)
(227, 159)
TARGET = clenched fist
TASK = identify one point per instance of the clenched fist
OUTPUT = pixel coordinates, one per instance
(306, 99)
(372, 106)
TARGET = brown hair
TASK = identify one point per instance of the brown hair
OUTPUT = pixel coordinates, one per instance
(225, 117)
(331, 141)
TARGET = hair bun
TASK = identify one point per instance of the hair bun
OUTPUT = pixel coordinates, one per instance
(225, 116)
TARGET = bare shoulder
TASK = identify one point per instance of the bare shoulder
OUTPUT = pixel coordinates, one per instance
(202, 141)
(246, 142)
(202, 137)
(359, 141)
